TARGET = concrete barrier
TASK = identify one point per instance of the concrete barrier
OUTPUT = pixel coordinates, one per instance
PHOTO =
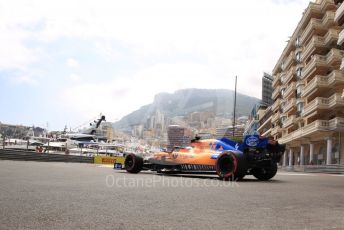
(7, 154)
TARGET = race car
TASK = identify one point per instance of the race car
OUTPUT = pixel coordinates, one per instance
(230, 160)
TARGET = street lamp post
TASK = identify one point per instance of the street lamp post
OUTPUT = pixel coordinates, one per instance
(234, 109)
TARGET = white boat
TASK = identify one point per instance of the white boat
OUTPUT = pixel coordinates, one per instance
(75, 141)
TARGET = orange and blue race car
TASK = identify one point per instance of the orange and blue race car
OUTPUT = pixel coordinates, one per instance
(230, 160)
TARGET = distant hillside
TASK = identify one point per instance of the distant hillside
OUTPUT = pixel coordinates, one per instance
(185, 101)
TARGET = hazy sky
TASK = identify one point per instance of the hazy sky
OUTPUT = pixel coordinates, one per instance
(65, 62)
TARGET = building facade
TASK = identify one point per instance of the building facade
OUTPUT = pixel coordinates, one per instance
(267, 89)
(339, 18)
(178, 136)
(308, 108)
(265, 125)
(227, 132)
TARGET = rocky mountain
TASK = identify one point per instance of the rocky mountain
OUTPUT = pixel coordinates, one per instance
(182, 102)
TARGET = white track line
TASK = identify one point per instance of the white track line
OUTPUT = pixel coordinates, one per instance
(105, 166)
(308, 174)
(295, 174)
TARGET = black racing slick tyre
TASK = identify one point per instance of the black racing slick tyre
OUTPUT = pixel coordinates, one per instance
(231, 166)
(265, 173)
(133, 163)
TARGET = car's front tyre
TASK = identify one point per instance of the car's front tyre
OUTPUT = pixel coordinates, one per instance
(133, 163)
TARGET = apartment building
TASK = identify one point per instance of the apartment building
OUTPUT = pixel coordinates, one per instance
(308, 108)
(178, 136)
(267, 89)
(265, 124)
(227, 132)
(339, 18)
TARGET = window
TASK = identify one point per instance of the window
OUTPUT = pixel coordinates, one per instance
(282, 104)
(282, 91)
(298, 57)
(299, 91)
(300, 107)
(299, 72)
(297, 42)
(283, 119)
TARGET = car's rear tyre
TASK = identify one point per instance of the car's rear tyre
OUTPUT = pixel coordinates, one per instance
(230, 166)
(133, 163)
(265, 173)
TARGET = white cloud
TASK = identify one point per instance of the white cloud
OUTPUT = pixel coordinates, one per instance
(72, 63)
(123, 95)
(25, 79)
(14, 54)
(105, 49)
(169, 44)
(74, 77)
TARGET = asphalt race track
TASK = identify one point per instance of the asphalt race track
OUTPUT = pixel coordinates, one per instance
(35, 195)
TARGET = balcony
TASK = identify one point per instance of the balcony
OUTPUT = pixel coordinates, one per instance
(265, 127)
(323, 82)
(309, 12)
(289, 76)
(316, 10)
(275, 117)
(300, 83)
(332, 59)
(331, 36)
(339, 16)
(317, 26)
(321, 103)
(283, 77)
(290, 89)
(275, 105)
(312, 45)
(337, 124)
(341, 38)
(289, 121)
(276, 80)
(314, 84)
(316, 61)
(289, 60)
(317, 103)
(275, 130)
(290, 104)
(316, 126)
(313, 25)
(267, 133)
(276, 92)
(334, 56)
(342, 65)
(328, 19)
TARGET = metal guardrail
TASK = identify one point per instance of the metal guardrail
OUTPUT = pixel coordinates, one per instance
(7, 154)
(336, 169)
(324, 168)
